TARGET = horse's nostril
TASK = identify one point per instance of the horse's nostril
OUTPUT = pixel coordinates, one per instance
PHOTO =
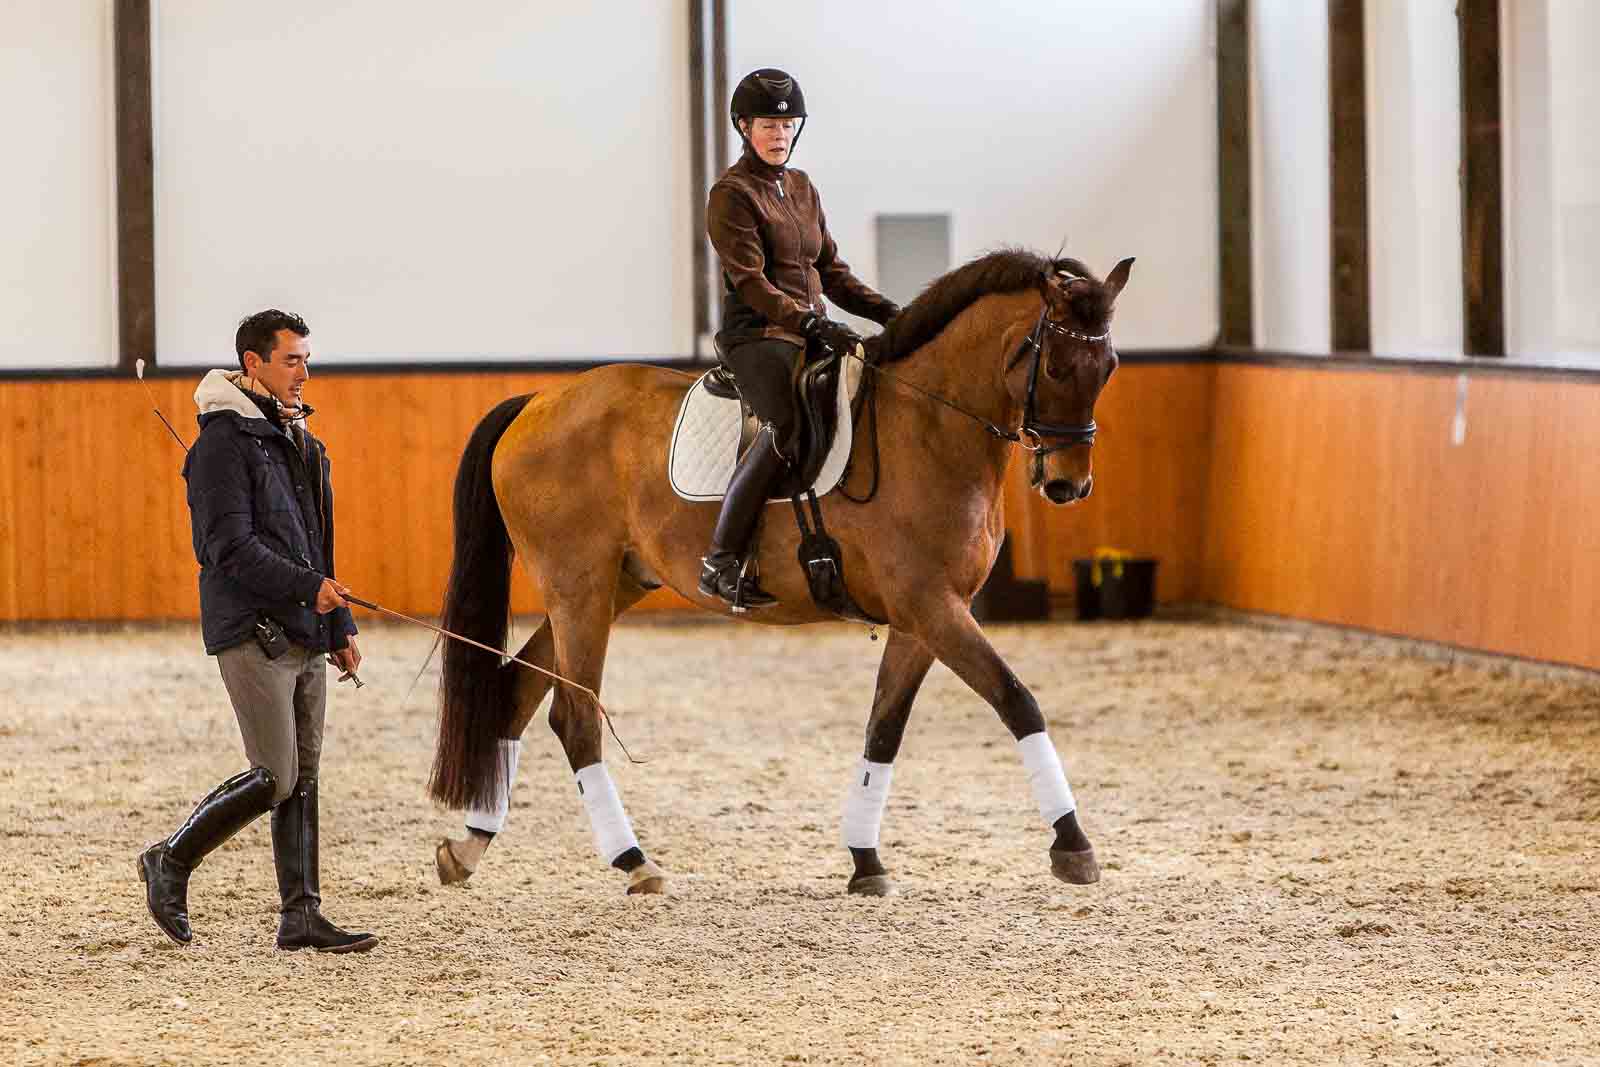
(1059, 490)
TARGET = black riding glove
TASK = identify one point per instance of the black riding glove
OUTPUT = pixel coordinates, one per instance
(834, 336)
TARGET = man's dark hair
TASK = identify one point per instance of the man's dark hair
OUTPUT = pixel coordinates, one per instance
(259, 332)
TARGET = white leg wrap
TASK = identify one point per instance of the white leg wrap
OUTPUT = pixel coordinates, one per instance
(490, 819)
(1045, 777)
(863, 805)
(612, 834)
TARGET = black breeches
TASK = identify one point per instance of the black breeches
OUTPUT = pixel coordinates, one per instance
(765, 372)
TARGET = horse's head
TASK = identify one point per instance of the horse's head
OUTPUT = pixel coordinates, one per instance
(1058, 373)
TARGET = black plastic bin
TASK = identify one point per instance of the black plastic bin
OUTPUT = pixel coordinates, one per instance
(1125, 588)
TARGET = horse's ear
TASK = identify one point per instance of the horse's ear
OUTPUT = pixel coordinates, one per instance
(1118, 277)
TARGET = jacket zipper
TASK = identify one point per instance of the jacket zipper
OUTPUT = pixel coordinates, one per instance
(799, 242)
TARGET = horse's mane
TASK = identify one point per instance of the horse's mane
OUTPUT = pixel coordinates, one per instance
(1005, 271)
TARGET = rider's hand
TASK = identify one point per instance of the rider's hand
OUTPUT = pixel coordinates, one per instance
(834, 336)
(330, 596)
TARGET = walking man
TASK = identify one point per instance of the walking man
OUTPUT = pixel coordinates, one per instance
(261, 508)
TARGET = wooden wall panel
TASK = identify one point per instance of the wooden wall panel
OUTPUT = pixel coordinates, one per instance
(1339, 496)
(1150, 481)
(1331, 495)
(96, 525)
(11, 441)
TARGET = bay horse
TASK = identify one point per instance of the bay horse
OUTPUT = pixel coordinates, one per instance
(1012, 348)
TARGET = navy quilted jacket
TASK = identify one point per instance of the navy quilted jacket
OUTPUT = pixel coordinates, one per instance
(261, 509)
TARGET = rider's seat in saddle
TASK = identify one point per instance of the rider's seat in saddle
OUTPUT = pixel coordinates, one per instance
(816, 410)
(825, 389)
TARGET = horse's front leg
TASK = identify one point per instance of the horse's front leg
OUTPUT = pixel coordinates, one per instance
(949, 631)
(905, 664)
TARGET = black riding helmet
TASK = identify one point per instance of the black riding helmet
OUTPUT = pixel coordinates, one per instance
(768, 93)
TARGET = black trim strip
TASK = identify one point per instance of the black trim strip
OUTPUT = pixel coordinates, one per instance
(365, 369)
(1133, 357)
(1362, 361)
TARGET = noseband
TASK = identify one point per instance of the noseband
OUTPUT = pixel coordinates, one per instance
(1034, 433)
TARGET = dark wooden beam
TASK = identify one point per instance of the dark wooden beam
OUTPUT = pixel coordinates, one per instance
(1347, 178)
(719, 86)
(1235, 312)
(136, 185)
(1482, 238)
(698, 185)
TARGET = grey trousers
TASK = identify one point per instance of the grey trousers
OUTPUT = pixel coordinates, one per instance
(280, 704)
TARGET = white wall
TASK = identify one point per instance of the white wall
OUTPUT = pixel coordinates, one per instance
(1029, 123)
(423, 181)
(1551, 97)
(57, 185)
(1575, 167)
(1413, 185)
(1289, 174)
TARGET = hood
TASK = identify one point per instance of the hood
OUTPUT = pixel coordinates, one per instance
(229, 390)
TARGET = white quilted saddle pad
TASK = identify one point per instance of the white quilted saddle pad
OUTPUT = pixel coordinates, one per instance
(705, 441)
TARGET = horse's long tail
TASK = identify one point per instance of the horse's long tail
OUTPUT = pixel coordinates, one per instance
(476, 692)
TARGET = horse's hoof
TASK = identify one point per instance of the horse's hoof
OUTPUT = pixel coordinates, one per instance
(646, 878)
(871, 885)
(451, 871)
(1078, 868)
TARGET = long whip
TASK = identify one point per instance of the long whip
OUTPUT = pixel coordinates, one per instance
(502, 653)
(138, 370)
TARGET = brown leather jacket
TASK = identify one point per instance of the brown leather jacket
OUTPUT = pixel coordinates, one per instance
(778, 259)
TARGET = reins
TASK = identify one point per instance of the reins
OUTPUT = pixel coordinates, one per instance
(1031, 435)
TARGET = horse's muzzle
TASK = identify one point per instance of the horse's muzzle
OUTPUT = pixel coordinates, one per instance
(1065, 490)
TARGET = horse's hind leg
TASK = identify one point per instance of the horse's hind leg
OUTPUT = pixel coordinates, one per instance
(457, 858)
(904, 665)
(580, 618)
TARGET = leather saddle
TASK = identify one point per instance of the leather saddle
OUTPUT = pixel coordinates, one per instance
(817, 390)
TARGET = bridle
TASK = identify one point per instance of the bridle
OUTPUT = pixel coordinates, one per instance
(1032, 428)
(1033, 433)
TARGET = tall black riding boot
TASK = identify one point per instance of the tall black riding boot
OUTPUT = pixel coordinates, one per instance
(294, 853)
(758, 469)
(164, 868)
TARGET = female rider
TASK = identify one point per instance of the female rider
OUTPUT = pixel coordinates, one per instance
(778, 261)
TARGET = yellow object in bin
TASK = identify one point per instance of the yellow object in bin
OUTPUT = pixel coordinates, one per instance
(1102, 556)
(1114, 584)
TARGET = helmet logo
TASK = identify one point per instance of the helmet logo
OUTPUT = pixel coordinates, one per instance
(783, 105)
(780, 87)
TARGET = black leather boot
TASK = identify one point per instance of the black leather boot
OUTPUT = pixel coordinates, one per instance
(164, 868)
(294, 853)
(758, 469)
